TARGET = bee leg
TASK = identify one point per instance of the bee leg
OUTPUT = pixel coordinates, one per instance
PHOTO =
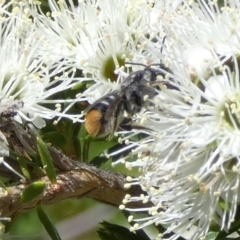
(133, 105)
(130, 127)
(125, 127)
(109, 138)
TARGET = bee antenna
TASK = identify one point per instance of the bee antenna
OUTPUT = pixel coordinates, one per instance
(138, 64)
(163, 41)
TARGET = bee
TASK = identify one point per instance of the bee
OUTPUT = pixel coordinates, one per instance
(108, 113)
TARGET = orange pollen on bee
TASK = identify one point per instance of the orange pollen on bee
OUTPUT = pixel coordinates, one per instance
(93, 123)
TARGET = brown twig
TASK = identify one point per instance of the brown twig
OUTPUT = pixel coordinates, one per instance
(78, 180)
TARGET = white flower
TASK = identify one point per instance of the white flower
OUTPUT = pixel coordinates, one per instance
(28, 76)
(97, 37)
(29, 80)
(190, 162)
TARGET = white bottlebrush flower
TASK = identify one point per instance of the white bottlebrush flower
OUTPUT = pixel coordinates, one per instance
(97, 37)
(29, 80)
(190, 162)
(28, 77)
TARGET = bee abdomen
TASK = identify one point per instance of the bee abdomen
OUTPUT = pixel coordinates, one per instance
(97, 123)
(93, 122)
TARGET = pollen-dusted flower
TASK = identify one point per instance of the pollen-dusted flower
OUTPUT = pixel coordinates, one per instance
(190, 162)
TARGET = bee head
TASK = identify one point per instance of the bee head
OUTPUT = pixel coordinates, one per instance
(149, 73)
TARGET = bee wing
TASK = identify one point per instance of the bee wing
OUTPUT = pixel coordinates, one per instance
(146, 90)
(100, 100)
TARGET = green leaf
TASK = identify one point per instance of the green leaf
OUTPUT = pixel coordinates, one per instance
(99, 161)
(79, 86)
(211, 236)
(48, 225)
(93, 147)
(99, 147)
(2, 186)
(115, 232)
(32, 191)
(46, 160)
(9, 224)
(23, 166)
(55, 138)
(77, 147)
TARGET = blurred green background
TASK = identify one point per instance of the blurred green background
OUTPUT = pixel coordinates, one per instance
(74, 219)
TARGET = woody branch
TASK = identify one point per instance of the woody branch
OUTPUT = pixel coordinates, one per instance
(79, 180)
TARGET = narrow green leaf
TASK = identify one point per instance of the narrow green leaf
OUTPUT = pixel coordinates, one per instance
(211, 236)
(48, 225)
(23, 166)
(79, 86)
(77, 147)
(99, 161)
(46, 160)
(32, 191)
(93, 147)
(55, 138)
(2, 185)
(97, 148)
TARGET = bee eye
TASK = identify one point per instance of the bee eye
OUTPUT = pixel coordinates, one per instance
(138, 76)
